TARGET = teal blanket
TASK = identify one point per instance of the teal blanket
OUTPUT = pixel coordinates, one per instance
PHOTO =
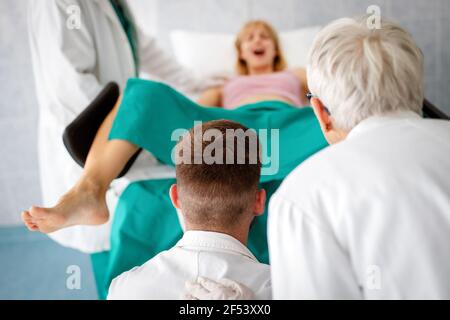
(145, 223)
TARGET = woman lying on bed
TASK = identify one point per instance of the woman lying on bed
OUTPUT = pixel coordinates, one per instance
(262, 72)
(268, 97)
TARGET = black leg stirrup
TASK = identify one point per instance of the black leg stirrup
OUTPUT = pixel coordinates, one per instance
(80, 133)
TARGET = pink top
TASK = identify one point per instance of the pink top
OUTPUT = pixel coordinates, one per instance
(285, 84)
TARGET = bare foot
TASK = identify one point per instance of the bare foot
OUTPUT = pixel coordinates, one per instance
(83, 205)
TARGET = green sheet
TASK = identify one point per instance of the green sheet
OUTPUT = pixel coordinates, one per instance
(145, 223)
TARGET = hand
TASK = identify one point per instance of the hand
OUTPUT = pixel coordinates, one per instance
(222, 289)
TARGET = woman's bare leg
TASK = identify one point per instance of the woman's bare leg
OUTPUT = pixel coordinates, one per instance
(85, 203)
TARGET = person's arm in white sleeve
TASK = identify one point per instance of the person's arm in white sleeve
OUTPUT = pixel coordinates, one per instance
(306, 259)
(157, 62)
(66, 56)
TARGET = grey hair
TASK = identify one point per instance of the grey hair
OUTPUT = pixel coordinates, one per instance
(357, 72)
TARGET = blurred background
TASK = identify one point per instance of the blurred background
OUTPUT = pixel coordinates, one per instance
(34, 267)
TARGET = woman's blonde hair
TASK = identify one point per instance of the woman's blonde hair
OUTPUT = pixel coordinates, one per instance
(279, 63)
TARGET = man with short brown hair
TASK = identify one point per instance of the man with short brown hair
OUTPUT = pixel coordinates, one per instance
(218, 169)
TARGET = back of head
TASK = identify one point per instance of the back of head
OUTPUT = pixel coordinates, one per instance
(218, 169)
(358, 72)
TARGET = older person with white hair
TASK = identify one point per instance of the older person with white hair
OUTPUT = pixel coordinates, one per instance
(369, 216)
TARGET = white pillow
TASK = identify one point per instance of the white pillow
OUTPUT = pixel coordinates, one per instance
(209, 54)
(296, 45)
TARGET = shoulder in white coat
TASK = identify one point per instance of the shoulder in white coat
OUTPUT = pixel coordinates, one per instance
(362, 205)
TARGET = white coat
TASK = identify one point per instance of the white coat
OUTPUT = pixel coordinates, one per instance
(367, 218)
(71, 66)
(198, 254)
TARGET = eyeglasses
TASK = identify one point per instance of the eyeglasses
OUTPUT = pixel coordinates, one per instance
(309, 96)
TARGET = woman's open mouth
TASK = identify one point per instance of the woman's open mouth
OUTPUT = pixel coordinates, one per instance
(259, 52)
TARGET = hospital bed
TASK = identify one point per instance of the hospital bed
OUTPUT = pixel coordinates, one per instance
(79, 135)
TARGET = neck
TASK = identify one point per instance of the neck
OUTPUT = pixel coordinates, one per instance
(260, 70)
(336, 136)
(239, 232)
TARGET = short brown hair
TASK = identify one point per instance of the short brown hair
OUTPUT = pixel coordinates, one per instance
(279, 63)
(216, 194)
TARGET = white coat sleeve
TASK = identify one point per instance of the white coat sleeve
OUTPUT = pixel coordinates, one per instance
(306, 260)
(157, 62)
(67, 57)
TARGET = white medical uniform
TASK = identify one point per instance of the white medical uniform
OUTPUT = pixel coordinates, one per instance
(71, 66)
(368, 217)
(198, 254)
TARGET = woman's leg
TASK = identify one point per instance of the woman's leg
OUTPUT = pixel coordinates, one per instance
(85, 203)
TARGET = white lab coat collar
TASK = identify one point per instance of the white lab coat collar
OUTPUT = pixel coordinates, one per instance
(375, 122)
(211, 241)
(107, 8)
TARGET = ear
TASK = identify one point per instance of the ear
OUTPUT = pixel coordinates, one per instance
(322, 115)
(260, 203)
(173, 193)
